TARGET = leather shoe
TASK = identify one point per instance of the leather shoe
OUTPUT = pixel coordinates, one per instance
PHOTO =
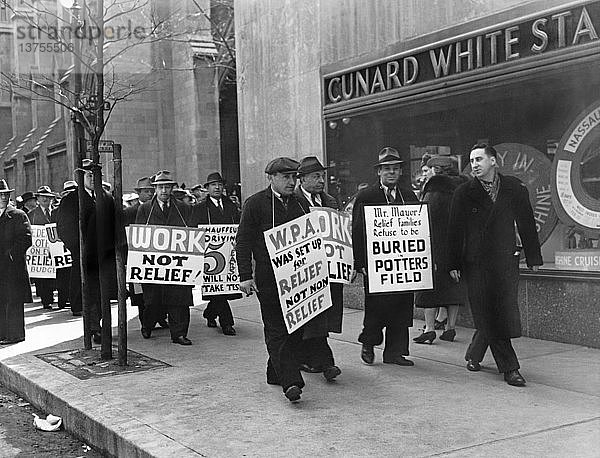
(182, 340)
(146, 333)
(399, 360)
(163, 324)
(47, 306)
(10, 341)
(97, 337)
(293, 393)
(310, 369)
(514, 378)
(228, 330)
(77, 313)
(331, 372)
(211, 322)
(473, 366)
(367, 354)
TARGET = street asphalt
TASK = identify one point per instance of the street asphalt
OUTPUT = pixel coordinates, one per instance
(212, 399)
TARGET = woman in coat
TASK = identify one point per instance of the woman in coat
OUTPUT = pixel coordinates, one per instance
(438, 192)
(15, 290)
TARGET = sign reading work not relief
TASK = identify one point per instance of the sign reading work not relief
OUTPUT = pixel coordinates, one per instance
(165, 255)
(335, 228)
(398, 248)
(299, 262)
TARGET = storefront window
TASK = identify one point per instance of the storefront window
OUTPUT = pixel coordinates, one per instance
(525, 118)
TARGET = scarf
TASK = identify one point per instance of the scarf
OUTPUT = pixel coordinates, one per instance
(491, 187)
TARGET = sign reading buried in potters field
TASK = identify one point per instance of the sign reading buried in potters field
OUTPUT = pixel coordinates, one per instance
(398, 248)
(220, 267)
(299, 262)
(38, 258)
(165, 255)
(337, 238)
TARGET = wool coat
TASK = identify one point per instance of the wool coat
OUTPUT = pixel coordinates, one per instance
(15, 239)
(437, 193)
(37, 217)
(483, 246)
(178, 214)
(375, 195)
(205, 213)
(331, 319)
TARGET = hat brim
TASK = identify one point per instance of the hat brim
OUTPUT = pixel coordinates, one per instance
(44, 194)
(311, 170)
(214, 181)
(156, 183)
(143, 187)
(282, 171)
(389, 163)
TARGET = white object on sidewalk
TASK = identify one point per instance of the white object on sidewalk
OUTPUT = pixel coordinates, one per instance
(51, 423)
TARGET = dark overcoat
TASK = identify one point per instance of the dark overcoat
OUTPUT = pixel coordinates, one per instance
(130, 213)
(15, 239)
(437, 193)
(331, 319)
(374, 195)
(98, 245)
(482, 241)
(37, 217)
(178, 215)
(205, 213)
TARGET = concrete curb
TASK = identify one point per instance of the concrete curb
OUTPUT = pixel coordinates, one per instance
(86, 417)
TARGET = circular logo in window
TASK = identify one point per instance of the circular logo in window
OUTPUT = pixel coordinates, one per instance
(533, 168)
(576, 170)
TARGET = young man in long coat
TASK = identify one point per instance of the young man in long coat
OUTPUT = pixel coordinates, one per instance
(99, 258)
(483, 247)
(316, 354)
(393, 311)
(262, 211)
(40, 216)
(217, 209)
(164, 210)
(15, 290)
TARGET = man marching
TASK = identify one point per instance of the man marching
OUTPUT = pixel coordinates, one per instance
(40, 216)
(164, 210)
(217, 209)
(316, 354)
(262, 211)
(393, 311)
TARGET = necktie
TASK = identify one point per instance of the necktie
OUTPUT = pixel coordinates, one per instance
(220, 206)
(284, 201)
(47, 214)
(388, 193)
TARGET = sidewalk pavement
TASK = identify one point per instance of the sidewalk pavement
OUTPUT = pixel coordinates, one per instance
(213, 400)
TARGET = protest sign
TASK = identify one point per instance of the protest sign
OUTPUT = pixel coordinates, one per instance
(335, 229)
(38, 258)
(398, 248)
(165, 255)
(220, 266)
(61, 256)
(299, 262)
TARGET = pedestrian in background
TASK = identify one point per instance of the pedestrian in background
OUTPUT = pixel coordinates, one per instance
(15, 290)
(483, 247)
(392, 311)
(217, 209)
(437, 193)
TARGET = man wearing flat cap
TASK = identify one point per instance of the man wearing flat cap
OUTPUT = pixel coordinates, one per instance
(316, 354)
(40, 216)
(262, 211)
(217, 209)
(15, 290)
(394, 311)
(145, 191)
(98, 246)
(174, 300)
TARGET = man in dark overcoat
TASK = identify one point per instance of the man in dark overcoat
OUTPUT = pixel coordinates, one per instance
(40, 216)
(393, 311)
(99, 258)
(483, 247)
(15, 290)
(316, 354)
(164, 210)
(145, 192)
(217, 209)
(264, 210)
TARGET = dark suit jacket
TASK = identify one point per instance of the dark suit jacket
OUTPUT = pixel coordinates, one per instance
(178, 215)
(37, 217)
(15, 239)
(206, 212)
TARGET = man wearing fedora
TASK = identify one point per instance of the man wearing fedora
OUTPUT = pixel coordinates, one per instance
(40, 216)
(174, 300)
(29, 201)
(15, 290)
(200, 193)
(316, 354)
(217, 209)
(393, 311)
(98, 246)
(264, 210)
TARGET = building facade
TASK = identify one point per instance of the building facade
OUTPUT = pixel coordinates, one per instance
(341, 79)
